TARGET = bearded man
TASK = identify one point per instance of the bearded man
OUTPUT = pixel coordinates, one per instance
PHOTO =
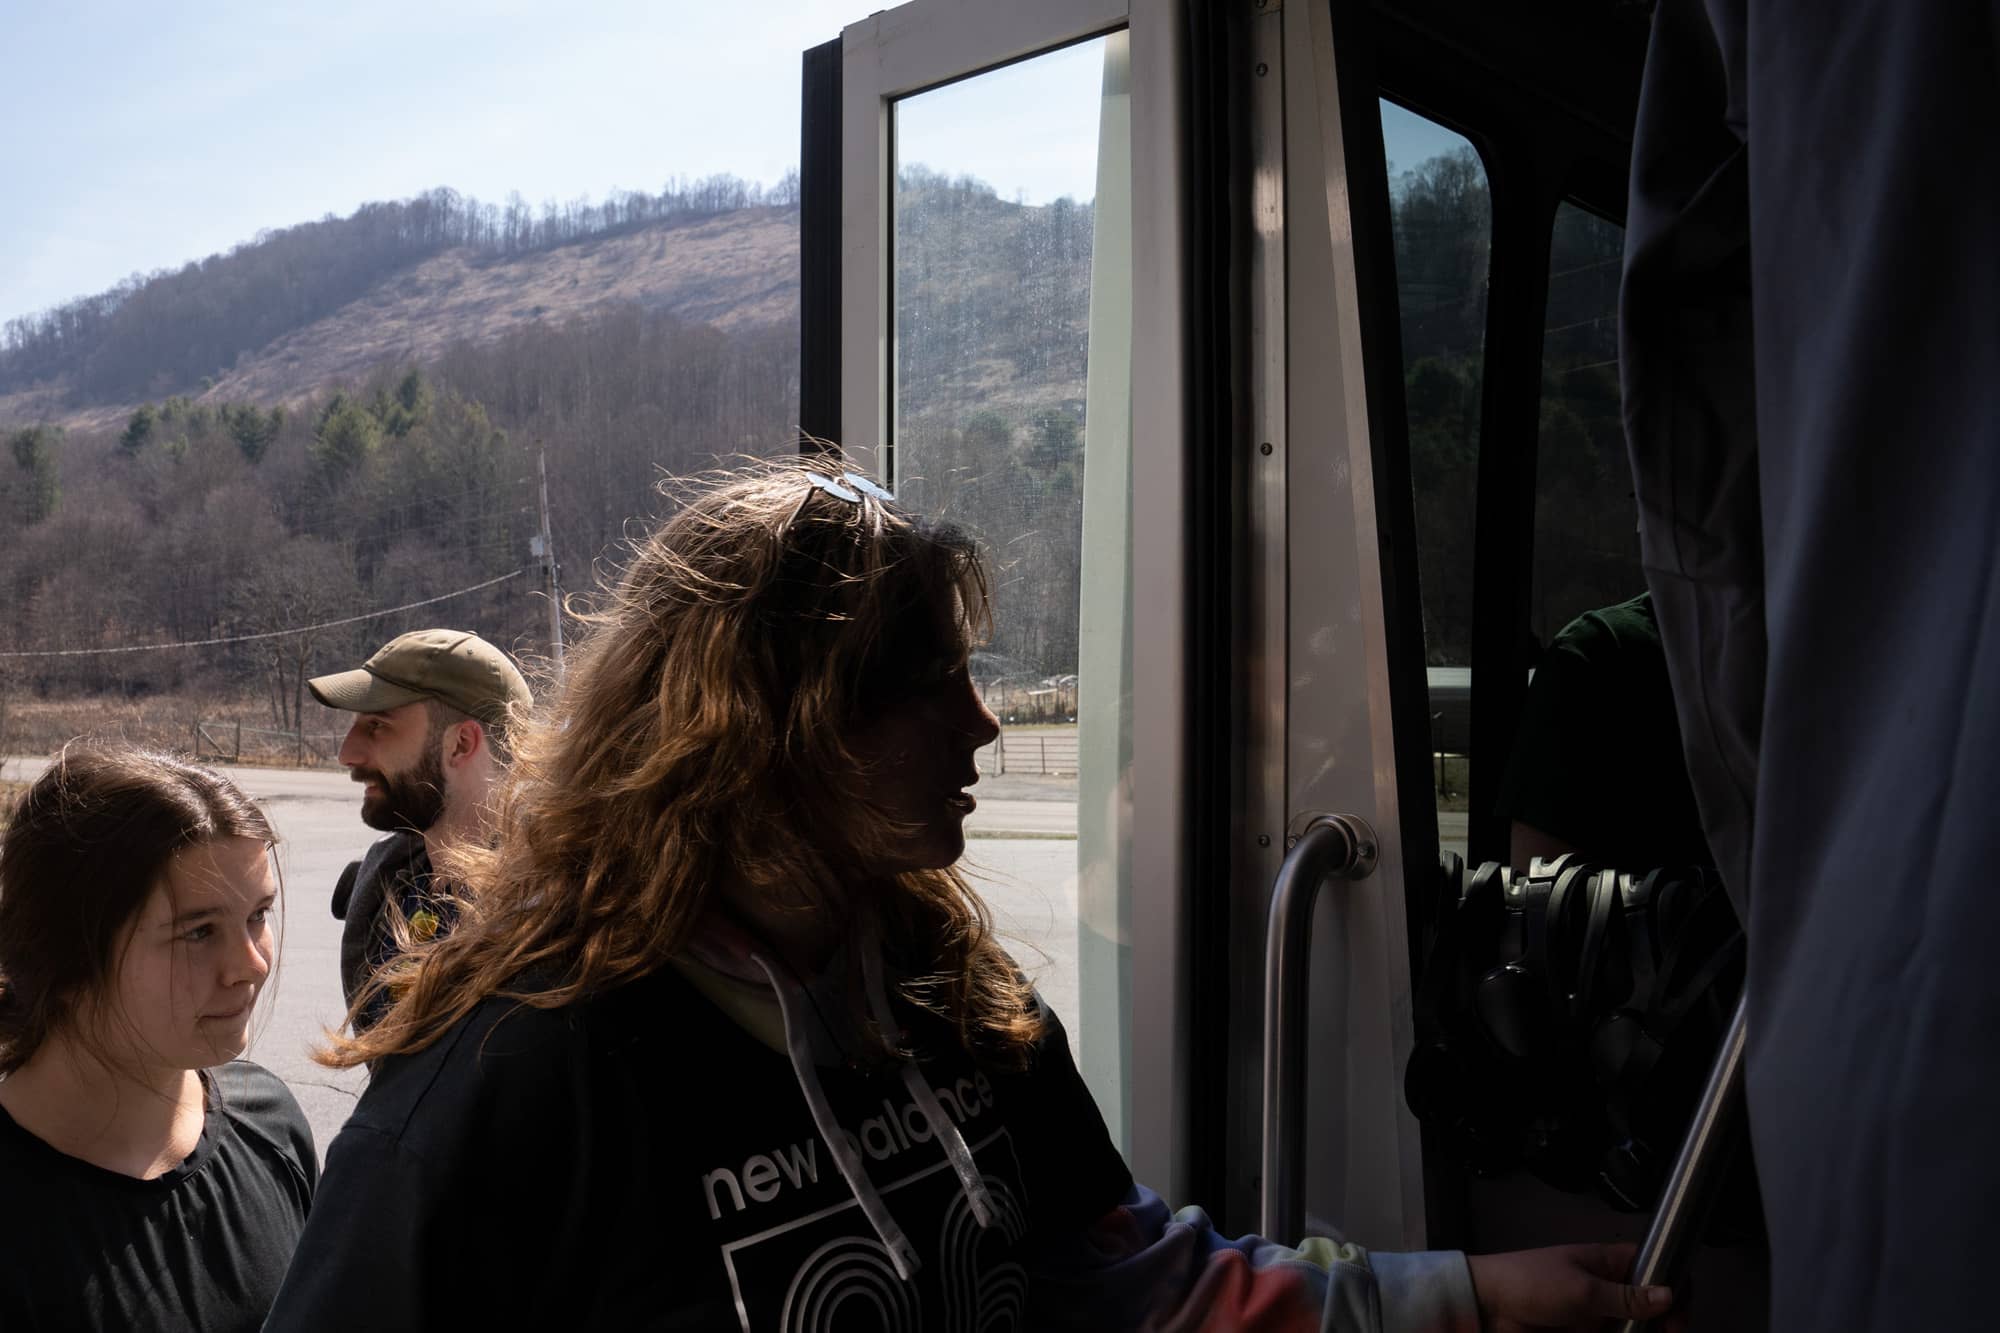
(429, 745)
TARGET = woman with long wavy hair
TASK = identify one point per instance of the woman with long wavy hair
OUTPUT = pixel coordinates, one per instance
(723, 1040)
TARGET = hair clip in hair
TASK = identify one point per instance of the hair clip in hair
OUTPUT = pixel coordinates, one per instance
(851, 487)
(867, 487)
(833, 488)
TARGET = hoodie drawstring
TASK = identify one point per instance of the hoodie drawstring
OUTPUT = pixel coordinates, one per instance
(901, 1253)
(955, 1151)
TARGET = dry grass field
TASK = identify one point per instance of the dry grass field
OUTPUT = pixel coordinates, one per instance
(167, 721)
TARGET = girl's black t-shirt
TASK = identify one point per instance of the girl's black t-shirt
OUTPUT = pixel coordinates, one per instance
(203, 1246)
(638, 1161)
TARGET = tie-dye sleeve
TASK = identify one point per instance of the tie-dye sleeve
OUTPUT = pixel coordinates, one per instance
(1145, 1269)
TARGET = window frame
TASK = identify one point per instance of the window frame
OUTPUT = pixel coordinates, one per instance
(1540, 146)
(890, 55)
(1180, 618)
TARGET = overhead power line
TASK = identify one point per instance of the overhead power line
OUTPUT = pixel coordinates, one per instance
(267, 634)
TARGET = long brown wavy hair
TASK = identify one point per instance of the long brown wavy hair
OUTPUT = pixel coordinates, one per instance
(696, 750)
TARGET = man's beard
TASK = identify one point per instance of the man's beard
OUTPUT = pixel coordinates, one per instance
(412, 799)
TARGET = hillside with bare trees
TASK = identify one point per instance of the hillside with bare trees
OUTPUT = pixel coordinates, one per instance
(373, 439)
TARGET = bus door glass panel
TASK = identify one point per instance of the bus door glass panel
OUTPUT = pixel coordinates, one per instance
(1585, 558)
(1586, 521)
(1009, 415)
(1441, 221)
(1600, 702)
(1605, 740)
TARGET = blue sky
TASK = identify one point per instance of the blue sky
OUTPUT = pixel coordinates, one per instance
(164, 133)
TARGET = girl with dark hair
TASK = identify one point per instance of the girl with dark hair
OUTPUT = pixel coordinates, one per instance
(724, 1031)
(152, 1179)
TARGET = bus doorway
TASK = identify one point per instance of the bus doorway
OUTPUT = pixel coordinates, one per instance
(1298, 414)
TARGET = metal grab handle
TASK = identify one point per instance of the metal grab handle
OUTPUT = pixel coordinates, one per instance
(1326, 846)
(1717, 1126)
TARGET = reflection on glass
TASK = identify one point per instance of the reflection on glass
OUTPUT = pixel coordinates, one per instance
(1011, 323)
(1441, 221)
(1586, 521)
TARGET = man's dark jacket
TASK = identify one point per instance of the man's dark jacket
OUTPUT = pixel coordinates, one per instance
(400, 863)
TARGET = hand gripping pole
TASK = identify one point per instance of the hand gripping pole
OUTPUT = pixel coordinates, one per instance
(1713, 1135)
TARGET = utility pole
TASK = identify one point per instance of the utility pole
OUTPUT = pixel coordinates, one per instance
(544, 546)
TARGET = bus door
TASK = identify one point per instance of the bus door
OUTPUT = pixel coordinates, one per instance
(991, 261)
(1466, 173)
(1337, 724)
(1443, 341)
(1166, 304)
(1144, 382)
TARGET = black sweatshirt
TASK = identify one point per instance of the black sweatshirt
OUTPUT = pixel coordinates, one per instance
(638, 1161)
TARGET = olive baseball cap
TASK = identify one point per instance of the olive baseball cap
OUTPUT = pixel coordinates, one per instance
(449, 665)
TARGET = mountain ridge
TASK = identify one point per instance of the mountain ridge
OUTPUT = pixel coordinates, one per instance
(736, 270)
